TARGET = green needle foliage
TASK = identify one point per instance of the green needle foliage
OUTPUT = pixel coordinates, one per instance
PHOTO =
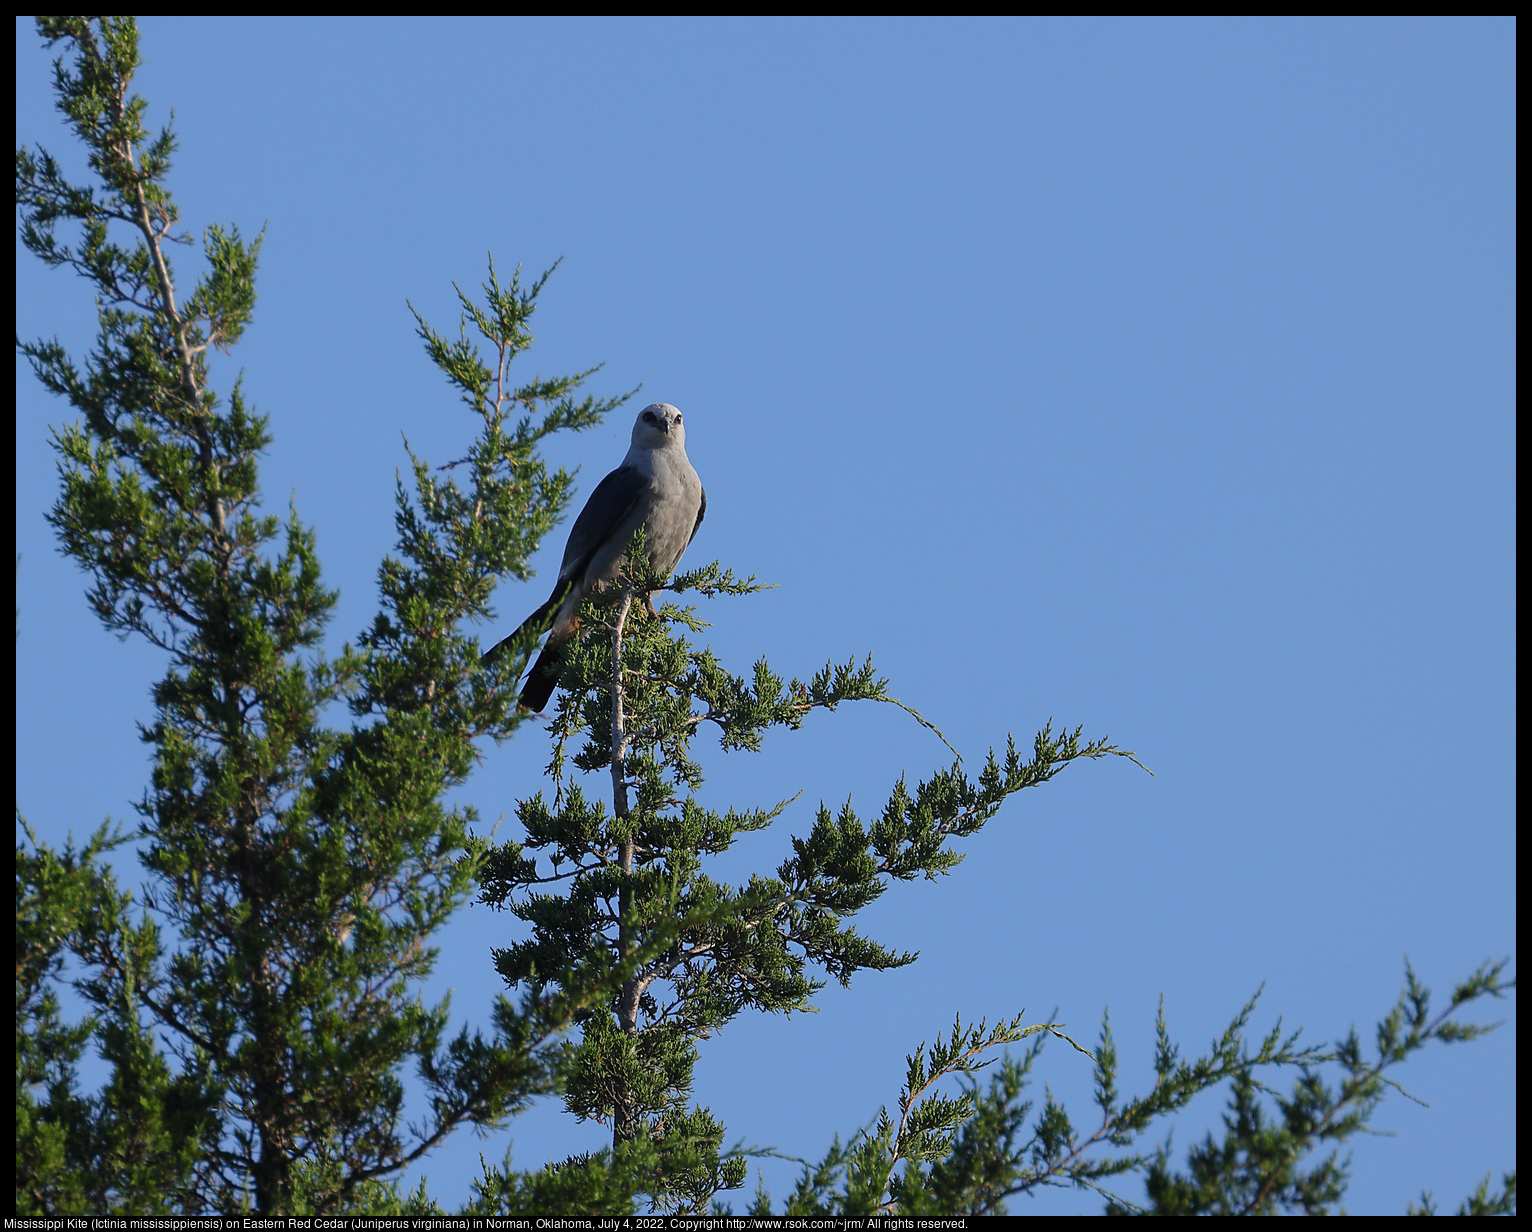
(625, 887)
(255, 1004)
(967, 1155)
(599, 885)
(145, 1131)
(297, 869)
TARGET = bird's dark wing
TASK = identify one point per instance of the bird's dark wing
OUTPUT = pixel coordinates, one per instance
(701, 513)
(608, 508)
(534, 626)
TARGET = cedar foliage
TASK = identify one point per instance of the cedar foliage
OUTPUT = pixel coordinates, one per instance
(255, 1005)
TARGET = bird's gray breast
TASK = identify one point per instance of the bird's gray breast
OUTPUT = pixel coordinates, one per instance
(672, 514)
(658, 491)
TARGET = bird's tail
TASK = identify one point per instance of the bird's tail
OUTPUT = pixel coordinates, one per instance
(544, 677)
(530, 629)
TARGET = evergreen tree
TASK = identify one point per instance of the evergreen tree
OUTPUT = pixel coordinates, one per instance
(255, 1007)
(298, 870)
(635, 698)
(698, 953)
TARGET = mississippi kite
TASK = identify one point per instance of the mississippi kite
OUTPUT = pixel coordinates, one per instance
(655, 488)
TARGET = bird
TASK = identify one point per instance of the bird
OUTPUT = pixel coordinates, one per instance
(655, 489)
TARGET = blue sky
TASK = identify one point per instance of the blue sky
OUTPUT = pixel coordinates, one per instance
(1152, 375)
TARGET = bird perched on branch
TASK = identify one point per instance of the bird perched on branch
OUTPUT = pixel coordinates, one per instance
(655, 489)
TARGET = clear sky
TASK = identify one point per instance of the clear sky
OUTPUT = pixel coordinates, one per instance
(1151, 375)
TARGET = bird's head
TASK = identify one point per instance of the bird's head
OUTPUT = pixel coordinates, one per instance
(659, 425)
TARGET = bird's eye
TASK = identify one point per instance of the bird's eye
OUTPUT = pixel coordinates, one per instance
(648, 416)
(678, 419)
